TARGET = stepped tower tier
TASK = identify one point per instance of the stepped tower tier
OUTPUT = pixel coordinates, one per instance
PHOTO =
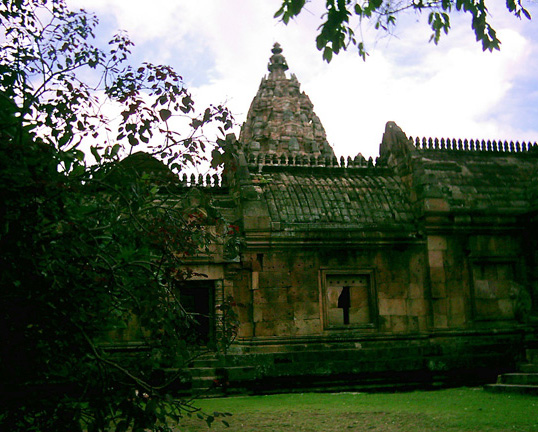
(281, 118)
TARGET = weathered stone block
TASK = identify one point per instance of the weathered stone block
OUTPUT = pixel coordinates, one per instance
(245, 373)
(438, 290)
(275, 279)
(255, 280)
(398, 323)
(487, 308)
(285, 328)
(436, 205)
(413, 324)
(417, 307)
(245, 330)
(423, 322)
(456, 320)
(416, 268)
(304, 263)
(396, 290)
(262, 329)
(243, 313)
(482, 290)
(241, 295)
(436, 258)
(506, 307)
(277, 312)
(437, 243)
(440, 307)
(258, 296)
(440, 321)
(270, 295)
(455, 287)
(255, 223)
(277, 261)
(456, 306)
(437, 274)
(383, 306)
(416, 291)
(306, 311)
(308, 327)
(384, 322)
(392, 307)
(257, 313)
(304, 287)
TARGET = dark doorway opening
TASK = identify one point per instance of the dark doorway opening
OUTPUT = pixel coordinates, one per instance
(198, 299)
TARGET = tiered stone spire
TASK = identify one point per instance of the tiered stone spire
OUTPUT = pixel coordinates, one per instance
(281, 118)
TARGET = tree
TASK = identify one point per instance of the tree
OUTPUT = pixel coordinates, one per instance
(87, 248)
(337, 32)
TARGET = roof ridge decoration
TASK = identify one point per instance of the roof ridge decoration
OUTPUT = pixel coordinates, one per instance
(302, 161)
(472, 145)
(281, 118)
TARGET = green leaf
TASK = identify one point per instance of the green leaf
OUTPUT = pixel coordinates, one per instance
(132, 140)
(79, 155)
(122, 426)
(95, 154)
(115, 150)
(216, 158)
(164, 114)
(327, 54)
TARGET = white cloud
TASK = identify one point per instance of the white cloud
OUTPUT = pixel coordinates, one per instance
(452, 90)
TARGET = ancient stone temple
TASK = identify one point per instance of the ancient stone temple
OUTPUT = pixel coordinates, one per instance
(418, 268)
(281, 119)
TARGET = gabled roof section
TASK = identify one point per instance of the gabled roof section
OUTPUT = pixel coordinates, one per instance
(281, 118)
(365, 199)
(465, 176)
(477, 176)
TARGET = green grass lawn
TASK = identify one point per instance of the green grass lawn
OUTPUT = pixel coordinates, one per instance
(454, 410)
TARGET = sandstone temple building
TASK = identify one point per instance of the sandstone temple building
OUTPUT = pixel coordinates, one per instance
(421, 266)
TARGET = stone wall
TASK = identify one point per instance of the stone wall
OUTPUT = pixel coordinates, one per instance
(288, 295)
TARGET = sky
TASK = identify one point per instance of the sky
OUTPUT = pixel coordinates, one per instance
(450, 90)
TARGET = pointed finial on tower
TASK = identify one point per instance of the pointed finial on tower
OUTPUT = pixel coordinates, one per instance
(277, 62)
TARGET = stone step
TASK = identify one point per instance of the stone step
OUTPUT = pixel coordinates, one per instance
(203, 382)
(529, 368)
(518, 378)
(204, 362)
(206, 387)
(512, 388)
(532, 355)
(329, 387)
(203, 371)
(241, 373)
(321, 349)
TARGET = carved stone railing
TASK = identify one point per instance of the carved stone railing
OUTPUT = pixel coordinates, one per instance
(472, 145)
(310, 161)
(200, 180)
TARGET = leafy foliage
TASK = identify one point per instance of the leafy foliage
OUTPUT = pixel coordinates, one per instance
(337, 33)
(90, 249)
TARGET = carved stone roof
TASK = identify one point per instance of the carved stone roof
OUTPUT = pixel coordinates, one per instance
(472, 177)
(480, 180)
(365, 198)
(281, 118)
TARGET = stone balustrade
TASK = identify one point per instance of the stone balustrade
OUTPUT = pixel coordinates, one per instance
(358, 161)
(472, 145)
(200, 180)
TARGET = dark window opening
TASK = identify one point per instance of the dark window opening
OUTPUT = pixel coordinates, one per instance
(349, 300)
(344, 303)
(197, 298)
